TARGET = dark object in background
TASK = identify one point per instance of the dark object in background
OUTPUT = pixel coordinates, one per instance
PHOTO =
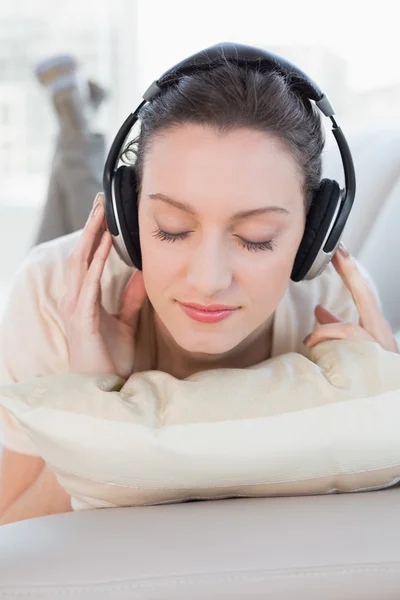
(79, 154)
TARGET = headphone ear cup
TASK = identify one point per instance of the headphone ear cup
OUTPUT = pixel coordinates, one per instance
(126, 199)
(318, 223)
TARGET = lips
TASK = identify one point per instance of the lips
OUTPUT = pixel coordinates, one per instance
(212, 313)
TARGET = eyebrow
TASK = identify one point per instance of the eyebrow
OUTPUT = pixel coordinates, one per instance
(243, 214)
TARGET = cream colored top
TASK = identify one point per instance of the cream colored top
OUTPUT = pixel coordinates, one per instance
(33, 340)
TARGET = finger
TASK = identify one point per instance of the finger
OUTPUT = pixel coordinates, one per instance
(132, 300)
(337, 331)
(364, 298)
(92, 231)
(324, 316)
(88, 307)
(83, 251)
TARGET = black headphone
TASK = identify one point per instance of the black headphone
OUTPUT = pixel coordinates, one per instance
(330, 207)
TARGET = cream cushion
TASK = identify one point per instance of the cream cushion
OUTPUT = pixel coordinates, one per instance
(288, 426)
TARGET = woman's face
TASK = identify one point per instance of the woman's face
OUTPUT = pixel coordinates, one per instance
(221, 216)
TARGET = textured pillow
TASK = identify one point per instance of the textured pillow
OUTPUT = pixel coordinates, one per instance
(287, 426)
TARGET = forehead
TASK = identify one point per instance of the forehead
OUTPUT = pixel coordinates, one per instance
(209, 169)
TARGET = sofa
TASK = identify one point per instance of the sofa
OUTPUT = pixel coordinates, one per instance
(330, 547)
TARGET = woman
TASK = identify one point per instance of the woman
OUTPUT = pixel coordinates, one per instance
(228, 162)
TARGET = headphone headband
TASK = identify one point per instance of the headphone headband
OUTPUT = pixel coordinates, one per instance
(240, 55)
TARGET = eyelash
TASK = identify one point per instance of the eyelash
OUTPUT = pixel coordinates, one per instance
(250, 246)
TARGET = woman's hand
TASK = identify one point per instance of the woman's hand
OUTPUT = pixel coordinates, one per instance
(98, 342)
(372, 326)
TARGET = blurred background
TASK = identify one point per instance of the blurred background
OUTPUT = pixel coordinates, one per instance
(352, 52)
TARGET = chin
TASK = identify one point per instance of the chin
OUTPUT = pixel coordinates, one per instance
(206, 343)
(212, 339)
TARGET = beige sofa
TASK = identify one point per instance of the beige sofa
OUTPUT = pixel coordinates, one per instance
(336, 547)
(332, 547)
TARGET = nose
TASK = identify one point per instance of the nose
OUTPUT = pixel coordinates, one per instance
(209, 270)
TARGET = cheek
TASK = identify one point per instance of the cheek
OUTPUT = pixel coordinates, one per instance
(266, 276)
(162, 264)
(267, 280)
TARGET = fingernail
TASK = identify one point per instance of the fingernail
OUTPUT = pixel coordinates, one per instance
(97, 205)
(96, 210)
(307, 339)
(343, 250)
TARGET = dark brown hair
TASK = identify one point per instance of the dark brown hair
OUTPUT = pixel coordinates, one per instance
(230, 97)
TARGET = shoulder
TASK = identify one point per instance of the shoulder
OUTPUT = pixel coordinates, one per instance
(43, 273)
(33, 340)
(294, 317)
(43, 270)
(327, 289)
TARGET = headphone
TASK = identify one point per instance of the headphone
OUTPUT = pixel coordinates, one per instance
(330, 207)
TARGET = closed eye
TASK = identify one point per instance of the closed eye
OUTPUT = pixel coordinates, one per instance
(256, 246)
(250, 246)
(170, 237)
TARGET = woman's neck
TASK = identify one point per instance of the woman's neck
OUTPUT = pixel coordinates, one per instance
(172, 359)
